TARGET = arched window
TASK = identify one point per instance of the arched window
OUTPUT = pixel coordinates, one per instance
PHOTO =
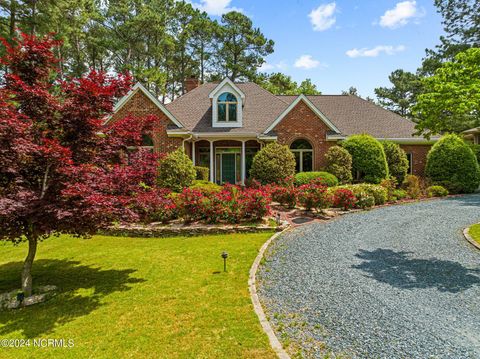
(303, 151)
(227, 107)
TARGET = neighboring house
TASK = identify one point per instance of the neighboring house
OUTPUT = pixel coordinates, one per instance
(222, 125)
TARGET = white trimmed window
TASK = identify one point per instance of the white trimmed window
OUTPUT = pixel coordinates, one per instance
(227, 107)
(303, 152)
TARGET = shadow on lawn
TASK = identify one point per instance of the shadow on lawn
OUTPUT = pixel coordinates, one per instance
(400, 271)
(69, 276)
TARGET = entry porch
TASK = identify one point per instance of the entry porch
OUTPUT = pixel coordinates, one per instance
(229, 160)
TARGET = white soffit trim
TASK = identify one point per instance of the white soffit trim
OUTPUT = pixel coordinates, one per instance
(139, 87)
(311, 106)
(220, 86)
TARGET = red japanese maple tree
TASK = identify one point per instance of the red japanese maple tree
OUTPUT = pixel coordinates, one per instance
(61, 170)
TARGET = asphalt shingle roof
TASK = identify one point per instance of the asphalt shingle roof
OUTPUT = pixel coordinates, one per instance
(350, 114)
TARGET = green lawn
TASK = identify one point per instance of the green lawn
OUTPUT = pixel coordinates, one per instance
(474, 232)
(138, 298)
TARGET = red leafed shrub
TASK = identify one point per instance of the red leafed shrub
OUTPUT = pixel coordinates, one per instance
(344, 198)
(155, 206)
(256, 203)
(314, 196)
(286, 196)
(232, 204)
(189, 203)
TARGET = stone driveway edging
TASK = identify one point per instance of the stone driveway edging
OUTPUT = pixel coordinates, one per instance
(267, 328)
(468, 237)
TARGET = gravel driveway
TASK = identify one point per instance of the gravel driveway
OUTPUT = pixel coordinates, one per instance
(393, 282)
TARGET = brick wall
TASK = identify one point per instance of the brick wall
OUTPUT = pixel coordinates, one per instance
(303, 123)
(140, 105)
(419, 155)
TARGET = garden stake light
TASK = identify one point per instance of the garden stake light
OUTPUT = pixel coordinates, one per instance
(224, 256)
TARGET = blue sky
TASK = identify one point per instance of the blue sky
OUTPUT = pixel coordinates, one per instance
(341, 43)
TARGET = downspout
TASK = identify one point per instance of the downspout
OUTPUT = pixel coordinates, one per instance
(185, 140)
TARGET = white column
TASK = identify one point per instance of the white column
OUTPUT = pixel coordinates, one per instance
(212, 163)
(193, 152)
(243, 173)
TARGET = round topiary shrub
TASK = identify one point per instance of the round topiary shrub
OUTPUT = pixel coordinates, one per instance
(323, 178)
(273, 163)
(397, 160)
(452, 164)
(369, 163)
(176, 171)
(339, 163)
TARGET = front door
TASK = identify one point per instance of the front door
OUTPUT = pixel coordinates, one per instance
(228, 168)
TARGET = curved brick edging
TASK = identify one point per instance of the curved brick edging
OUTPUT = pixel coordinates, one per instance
(472, 241)
(267, 328)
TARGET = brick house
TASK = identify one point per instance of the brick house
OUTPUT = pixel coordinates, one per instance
(222, 125)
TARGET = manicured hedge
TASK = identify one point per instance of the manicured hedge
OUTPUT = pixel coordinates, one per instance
(368, 158)
(273, 163)
(452, 164)
(339, 163)
(396, 159)
(205, 186)
(176, 171)
(323, 178)
(202, 173)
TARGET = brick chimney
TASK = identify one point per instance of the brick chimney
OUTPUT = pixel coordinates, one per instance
(191, 83)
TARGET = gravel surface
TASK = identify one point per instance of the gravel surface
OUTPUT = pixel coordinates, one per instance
(393, 282)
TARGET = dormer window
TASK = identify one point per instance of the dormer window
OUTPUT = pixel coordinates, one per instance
(227, 107)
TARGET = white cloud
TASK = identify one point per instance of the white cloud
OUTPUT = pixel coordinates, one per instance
(375, 51)
(400, 15)
(268, 67)
(215, 7)
(306, 62)
(322, 18)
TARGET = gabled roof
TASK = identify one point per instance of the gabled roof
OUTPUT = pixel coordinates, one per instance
(260, 109)
(139, 87)
(354, 115)
(225, 81)
(312, 107)
(345, 115)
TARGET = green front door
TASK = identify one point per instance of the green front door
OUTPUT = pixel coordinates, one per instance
(228, 168)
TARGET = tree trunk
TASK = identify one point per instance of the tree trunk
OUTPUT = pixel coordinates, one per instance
(27, 267)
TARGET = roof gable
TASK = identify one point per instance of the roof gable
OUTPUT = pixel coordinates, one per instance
(222, 84)
(310, 105)
(135, 89)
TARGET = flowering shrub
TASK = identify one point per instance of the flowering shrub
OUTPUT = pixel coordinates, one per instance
(286, 196)
(364, 200)
(189, 203)
(155, 206)
(344, 198)
(314, 196)
(255, 203)
(378, 193)
(232, 204)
